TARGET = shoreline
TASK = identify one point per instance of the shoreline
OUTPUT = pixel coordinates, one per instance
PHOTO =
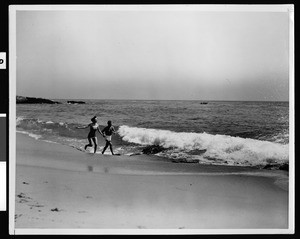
(61, 187)
(192, 167)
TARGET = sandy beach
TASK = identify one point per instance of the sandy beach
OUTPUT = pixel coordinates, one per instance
(61, 187)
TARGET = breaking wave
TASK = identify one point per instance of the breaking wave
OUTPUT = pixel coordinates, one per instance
(218, 149)
(200, 147)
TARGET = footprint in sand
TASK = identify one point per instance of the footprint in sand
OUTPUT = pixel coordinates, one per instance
(181, 189)
(35, 205)
(56, 210)
(22, 195)
(141, 227)
(23, 198)
(17, 216)
(67, 188)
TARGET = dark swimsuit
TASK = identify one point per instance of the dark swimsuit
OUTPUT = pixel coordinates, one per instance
(93, 129)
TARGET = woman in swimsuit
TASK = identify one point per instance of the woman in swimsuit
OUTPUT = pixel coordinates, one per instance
(92, 134)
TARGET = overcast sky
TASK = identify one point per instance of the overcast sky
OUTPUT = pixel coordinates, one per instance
(153, 55)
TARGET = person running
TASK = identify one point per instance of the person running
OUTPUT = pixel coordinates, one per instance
(92, 134)
(107, 133)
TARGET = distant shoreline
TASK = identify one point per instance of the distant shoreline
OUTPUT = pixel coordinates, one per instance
(82, 99)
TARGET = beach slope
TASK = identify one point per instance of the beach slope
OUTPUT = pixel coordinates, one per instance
(61, 187)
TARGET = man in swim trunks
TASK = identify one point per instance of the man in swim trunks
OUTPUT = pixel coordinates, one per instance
(107, 133)
(92, 134)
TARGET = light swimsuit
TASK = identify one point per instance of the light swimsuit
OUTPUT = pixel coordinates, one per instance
(108, 137)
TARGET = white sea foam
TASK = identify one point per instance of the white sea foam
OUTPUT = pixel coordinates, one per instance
(19, 120)
(233, 150)
(35, 136)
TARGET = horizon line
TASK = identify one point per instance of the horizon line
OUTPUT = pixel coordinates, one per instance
(202, 100)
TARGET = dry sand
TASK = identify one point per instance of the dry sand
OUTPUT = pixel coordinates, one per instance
(60, 187)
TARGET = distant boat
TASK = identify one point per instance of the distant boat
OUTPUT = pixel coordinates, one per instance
(203, 103)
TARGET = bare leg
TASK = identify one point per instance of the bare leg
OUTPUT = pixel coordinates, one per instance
(95, 144)
(111, 149)
(106, 145)
(88, 145)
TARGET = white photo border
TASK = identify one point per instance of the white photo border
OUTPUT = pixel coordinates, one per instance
(192, 7)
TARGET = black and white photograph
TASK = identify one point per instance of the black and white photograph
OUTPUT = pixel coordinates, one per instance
(151, 119)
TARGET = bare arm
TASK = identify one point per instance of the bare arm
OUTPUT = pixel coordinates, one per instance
(103, 131)
(100, 131)
(113, 130)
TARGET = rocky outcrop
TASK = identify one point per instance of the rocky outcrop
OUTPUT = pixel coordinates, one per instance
(183, 160)
(33, 100)
(284, 166)
(153, 149)
(75, 102)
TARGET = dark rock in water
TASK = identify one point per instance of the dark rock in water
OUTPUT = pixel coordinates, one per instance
(197, 151)
(134, 154)
(182, 160)
(269, 166)
(153, 149)
(284, 167)
(75, 102)
(33, 100)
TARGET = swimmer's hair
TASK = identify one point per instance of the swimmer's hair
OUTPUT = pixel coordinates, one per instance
(109, 122)
(93, 119)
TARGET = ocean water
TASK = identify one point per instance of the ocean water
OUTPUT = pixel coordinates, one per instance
(224, 133)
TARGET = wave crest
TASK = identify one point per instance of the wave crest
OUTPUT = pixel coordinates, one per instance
(232, 150)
